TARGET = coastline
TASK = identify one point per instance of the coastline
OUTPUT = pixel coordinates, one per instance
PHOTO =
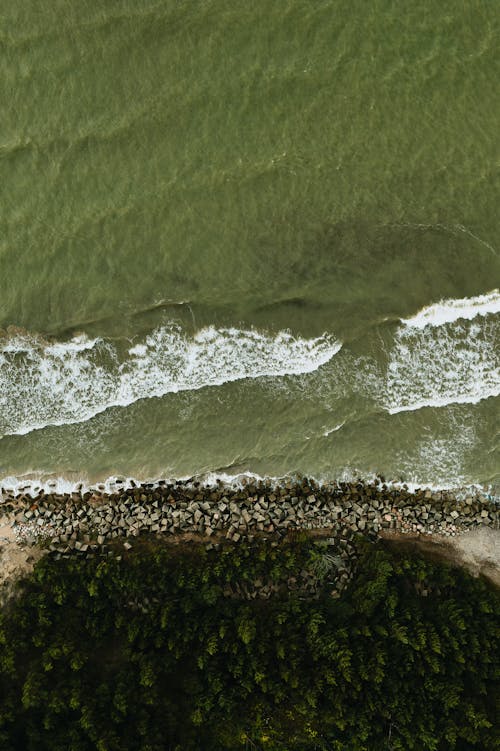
(463, 531)
(33, 484)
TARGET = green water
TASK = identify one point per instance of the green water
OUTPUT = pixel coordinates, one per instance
(317, 167)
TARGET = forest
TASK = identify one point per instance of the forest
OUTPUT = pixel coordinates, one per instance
(157, 651)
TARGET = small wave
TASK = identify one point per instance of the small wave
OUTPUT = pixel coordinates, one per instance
(329, 431)
(45, 384)
(447, 311)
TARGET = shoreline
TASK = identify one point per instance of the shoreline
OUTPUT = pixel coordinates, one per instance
(50, 483)
(98, 523)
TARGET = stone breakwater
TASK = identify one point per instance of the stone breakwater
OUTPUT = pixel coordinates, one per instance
(105, 524)
(86, 523)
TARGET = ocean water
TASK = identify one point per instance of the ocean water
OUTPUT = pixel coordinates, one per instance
(250, 237)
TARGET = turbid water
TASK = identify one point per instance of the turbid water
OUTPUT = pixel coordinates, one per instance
(250, 237)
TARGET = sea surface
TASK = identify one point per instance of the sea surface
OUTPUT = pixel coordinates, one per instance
(250, 237)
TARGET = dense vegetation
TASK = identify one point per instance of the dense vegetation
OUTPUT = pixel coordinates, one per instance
(150, 653)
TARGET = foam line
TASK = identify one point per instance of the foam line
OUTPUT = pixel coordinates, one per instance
(447, 311)
(60, 485)
(45, 384)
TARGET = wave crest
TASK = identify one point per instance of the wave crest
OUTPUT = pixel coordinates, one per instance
(65, 382)
(447, 311)
(455, 362)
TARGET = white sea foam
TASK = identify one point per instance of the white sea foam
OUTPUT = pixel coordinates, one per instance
(447, 311)
(446, 453)
(454, 362)
(79, 343)
(31, 485)
(328, 431)
(54, 384)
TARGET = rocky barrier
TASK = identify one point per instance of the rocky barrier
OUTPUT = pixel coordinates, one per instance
(96, 523)
(84, 522)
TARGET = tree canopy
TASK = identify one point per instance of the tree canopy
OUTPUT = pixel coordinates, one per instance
(153, 653)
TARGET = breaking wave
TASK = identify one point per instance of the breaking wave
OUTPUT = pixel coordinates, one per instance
(45, 384)
(447, 311)
(448, 353)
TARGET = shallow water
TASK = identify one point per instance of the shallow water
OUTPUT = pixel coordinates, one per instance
(250, 238)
